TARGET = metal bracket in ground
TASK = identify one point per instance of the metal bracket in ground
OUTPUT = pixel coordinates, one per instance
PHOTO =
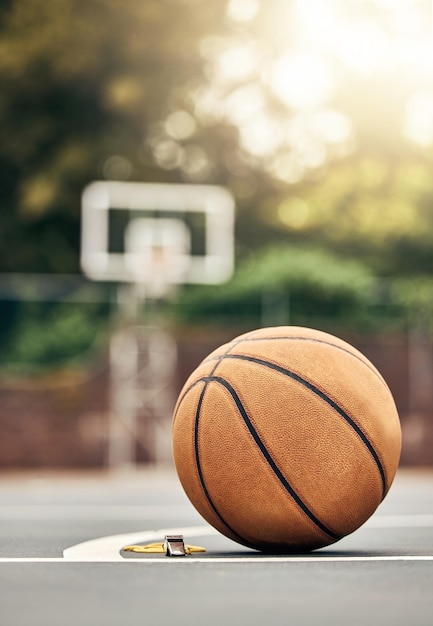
(174, 545)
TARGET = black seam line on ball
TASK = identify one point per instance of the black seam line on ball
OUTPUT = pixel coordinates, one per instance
(182, 397)
(220, 357)
(326, 399)
(207, 380)
(300, 338)
(270, 460)
(322, 341)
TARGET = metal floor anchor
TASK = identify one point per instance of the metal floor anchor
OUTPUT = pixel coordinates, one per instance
(174, 545)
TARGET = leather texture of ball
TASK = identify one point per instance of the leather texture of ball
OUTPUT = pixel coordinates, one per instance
(286, 439)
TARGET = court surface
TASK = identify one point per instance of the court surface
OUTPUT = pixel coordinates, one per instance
(61, 559)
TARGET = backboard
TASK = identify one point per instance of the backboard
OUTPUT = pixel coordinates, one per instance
(132, 230)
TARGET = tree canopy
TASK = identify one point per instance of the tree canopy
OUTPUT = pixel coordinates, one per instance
(318, 139)
(83, 87)
(317, 116)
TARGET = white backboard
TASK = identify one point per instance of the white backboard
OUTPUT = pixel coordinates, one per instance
(145, 204)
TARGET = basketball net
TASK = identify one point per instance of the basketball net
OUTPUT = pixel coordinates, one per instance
(158, 267)
(157, 255)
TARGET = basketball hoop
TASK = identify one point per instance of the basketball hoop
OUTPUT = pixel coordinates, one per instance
(148, 249)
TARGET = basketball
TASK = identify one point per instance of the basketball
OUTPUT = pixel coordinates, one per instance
(286, 439)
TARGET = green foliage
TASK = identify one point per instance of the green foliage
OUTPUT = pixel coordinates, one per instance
(301, 285)
(309, 286)
(373, 209)
(83, 88)
(51, 335)
(108, 89)
(90, 90)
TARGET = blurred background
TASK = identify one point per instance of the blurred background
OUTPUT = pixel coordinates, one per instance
(316, 116)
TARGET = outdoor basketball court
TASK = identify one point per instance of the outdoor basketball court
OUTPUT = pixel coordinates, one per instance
(61, 559)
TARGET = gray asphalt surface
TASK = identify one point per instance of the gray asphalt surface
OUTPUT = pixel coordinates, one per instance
(381, 574)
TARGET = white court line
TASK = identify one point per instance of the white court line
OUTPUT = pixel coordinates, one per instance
(107, 549)
(238, 560)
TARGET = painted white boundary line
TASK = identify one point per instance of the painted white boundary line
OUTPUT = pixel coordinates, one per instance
(239, 560)
(107, 549)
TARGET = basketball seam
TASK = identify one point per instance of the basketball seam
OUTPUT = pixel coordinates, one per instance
(283, 481)
(299, 338)
(276, 470)
(207, 380)
(322, 395)
(218, 359)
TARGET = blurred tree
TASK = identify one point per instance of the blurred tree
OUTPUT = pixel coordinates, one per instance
(305, 127)
(46, 336)
(83, 87)
(369, 208)
(313, 129)
(299, 285)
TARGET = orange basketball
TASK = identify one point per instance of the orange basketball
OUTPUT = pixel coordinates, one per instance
(286, 439)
